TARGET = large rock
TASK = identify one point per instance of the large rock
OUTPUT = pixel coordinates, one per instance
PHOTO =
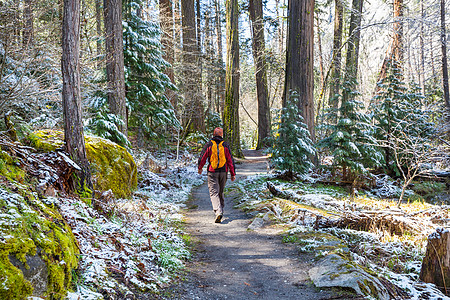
(112, 166)
(38, 251)
(335, 271)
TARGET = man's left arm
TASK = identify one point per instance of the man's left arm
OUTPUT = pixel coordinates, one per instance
(230, 163)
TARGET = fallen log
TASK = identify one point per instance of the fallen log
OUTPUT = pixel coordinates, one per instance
(279, 193)
(370, 222)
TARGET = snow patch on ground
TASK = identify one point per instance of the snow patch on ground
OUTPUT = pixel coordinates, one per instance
(135, 245)
(398, 260)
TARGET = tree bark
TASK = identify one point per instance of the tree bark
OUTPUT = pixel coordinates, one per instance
(193, 114)
(210, 61)
(259, 47)
(422, 49)
(220, 63)
(98, 19)
(444, 62)
(231, 111)
(167, 40)
(435, 266)
(398, 33)
(299, 58)
(199, 50)
(28, 30)
(336, 62)
(71, 94)
(114, 61)
(351, 64)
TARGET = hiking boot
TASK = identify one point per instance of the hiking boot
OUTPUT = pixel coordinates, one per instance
(218, 219)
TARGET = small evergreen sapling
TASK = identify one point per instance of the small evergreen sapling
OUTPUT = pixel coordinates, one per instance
(292, 146)
(351, 141)
(398, 115)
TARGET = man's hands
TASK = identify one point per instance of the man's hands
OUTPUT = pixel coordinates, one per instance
(233, 178)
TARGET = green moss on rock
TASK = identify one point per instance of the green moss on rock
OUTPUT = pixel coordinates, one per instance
(112, 166)
(27, 227)
(9, 169)
(46, 140)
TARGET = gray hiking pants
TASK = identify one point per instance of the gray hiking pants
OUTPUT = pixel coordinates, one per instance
(216, 185)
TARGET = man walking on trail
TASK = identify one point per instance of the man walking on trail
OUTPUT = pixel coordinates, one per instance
(218, 153)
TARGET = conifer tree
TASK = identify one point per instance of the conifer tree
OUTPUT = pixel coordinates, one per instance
(292, 146)
(145, 80)
(351, 141)
(395, 108)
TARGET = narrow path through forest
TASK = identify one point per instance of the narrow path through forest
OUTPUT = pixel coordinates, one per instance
(231, 262)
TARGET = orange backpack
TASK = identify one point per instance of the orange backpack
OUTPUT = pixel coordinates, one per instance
(217, 159)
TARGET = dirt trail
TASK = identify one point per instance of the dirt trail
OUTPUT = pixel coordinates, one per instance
(231, 262)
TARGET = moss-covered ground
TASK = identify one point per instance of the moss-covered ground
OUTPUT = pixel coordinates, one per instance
(28, 227)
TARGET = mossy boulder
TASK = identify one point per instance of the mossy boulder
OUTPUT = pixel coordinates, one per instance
(112, 166)
(38, 251)
(337, 271)
(46, 140)
(9, 168)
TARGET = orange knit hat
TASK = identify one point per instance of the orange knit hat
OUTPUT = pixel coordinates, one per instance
(218, 131)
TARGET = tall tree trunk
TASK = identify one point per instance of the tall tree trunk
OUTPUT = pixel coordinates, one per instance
(394, 54)
(299, 58)
(422, 49)
(351, 65)
(220, 63)
(114, 61)
(322, 73)
(98, 27)
(231, 111)
(444, 62)
(335, 81)
(259, 47)
(398, 33)
(199, 50)
(28, 30)
(193, 115)
(167, 40)
(433, 67)
(210, 60)
(71, 94)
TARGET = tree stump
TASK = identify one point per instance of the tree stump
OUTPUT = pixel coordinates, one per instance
(436, 263)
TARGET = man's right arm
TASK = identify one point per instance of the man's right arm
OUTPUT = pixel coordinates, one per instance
(203, 157)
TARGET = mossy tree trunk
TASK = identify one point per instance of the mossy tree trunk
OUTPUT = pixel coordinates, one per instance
(71, 94)
(299, 59)
(259, 47)
(231, 111)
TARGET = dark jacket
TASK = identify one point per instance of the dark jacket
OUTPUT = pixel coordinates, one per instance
(206, 154)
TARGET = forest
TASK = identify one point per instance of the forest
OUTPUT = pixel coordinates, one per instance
(337, 113)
